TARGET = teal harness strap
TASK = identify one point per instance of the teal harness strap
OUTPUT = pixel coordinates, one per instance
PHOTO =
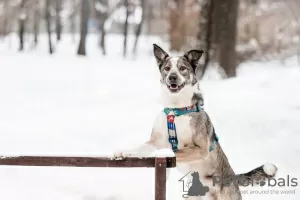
(172, 128)
(216, 139)
(182, 111)
(171, 122)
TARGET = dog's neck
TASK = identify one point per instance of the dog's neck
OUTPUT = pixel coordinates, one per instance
(189, 95)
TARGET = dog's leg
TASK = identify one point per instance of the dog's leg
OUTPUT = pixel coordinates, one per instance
(199, 151)
(144, 150)
(190, 153)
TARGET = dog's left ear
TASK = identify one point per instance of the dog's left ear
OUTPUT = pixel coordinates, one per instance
(160, 55)
(193, 56)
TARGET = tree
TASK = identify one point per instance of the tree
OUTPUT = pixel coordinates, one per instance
(217, 34)
(177, 25)
(72, 18)
(205, 32)
(139, 27)
(48, 24)
(5, 18)
(101, 7)
(58, 25)
(36, 21)
(228, 31)
(22, 19)
(126, 4)
(84, 17)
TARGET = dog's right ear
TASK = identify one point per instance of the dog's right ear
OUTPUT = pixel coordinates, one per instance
(160, 55)
(193, 56)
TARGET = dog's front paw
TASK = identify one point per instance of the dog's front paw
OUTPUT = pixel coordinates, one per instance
(120, 155)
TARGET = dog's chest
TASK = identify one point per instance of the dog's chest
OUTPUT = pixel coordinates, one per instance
(183, 129)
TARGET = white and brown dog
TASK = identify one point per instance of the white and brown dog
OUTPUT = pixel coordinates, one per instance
(196, 144)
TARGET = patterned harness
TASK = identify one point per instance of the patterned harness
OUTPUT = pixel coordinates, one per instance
(172, 127)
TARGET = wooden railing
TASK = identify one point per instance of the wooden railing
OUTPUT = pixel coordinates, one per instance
(160, 164)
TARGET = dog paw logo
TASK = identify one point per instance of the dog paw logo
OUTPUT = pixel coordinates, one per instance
(192, 185)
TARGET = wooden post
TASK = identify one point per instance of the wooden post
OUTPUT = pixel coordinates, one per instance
(160, 178)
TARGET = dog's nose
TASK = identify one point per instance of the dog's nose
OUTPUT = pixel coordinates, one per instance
(172, 77)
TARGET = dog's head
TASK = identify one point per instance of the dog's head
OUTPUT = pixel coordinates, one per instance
(177, 72)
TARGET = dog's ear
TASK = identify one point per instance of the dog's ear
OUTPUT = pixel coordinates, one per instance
(193, 56)
(160, 55)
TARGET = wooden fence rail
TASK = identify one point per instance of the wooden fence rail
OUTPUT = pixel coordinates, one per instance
(160, 165)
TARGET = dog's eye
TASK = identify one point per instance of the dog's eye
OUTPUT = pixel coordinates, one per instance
(182, 68)
(167, 69)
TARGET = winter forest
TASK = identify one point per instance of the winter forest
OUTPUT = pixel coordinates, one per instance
(78, 77)
(242, 30)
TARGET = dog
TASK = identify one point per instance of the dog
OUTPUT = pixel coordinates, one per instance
(196, 146)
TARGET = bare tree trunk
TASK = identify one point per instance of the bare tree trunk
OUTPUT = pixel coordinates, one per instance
(126, 3)
(148, 16)
(36, 23)
(72, 20)
(177, 25)
(5, 14)
(58, 25)
(205, 32)
(102, 39)
(22, 18)
(139, 27)
(227, 43)
(102, 16)
(48, 23)
(83, 26)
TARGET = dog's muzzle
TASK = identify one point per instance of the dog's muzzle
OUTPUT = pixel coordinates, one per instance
(172, 83)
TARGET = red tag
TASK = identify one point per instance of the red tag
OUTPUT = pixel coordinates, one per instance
(170, 118)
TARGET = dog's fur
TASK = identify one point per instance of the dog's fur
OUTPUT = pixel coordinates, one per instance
(194, 130)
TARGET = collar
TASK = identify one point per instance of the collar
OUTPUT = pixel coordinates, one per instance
(183, 111)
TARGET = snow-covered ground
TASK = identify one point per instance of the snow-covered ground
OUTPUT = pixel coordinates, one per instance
(63, 104)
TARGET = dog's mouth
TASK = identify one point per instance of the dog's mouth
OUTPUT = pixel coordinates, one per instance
(175, 88)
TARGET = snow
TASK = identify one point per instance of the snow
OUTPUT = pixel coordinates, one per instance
(119, 16)
(100, 7)
(162, 153)
(22, 16)
(68, 105)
